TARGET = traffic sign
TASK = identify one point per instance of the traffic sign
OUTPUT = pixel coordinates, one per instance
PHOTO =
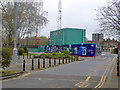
(14, 39)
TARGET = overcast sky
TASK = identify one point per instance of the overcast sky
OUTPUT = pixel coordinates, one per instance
(75, 14)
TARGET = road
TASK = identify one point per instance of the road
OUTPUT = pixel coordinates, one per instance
(91, 73)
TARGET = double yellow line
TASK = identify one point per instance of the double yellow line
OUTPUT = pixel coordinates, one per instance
(104, 76)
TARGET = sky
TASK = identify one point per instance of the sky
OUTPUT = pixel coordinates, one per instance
(75, 14)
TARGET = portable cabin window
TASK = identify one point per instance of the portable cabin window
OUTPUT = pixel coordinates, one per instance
(75, 50)
(64, 48)
(71, 50)
(58, 33)
(67, 49)
(60, 48)
(57, 49)
(51, 34)
(51, 49)
(61, 33)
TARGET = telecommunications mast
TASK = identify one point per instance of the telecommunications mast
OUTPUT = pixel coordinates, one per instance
(59, 14)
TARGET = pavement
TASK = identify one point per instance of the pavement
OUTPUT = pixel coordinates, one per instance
(113, 80)
(28, 64)
(92, 73)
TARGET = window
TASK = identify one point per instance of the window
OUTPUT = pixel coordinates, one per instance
(61, 33)
(75, 50)
(51, 34)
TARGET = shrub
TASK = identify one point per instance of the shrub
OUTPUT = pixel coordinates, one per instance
(66, 52)
(52, 55)
(20, 51)
(6, 57)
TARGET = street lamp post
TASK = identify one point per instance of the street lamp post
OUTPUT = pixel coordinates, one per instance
(15, 34)
(27, 45)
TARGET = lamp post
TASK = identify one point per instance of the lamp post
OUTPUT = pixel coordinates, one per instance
(15, 34)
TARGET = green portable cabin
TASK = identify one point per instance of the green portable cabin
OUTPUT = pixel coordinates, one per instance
(38, 48)
(67, 36)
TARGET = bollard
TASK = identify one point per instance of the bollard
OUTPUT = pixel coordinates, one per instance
(23, 65)
(54, 61)
(23, 56)
(43, 62)
(59, 60)
(69, 59)
(27, 55)
(66, 59)
(63, 60)
(49, 62)
(74, 58)
(38, 63)
(18, 56)
(32, 64)
(30, 56)
(118, 66)
(78, 58)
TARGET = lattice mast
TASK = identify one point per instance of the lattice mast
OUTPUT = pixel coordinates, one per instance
(59, 23)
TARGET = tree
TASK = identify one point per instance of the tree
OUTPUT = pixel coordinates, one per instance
(29, 19)
(109, 19)
(43, 40)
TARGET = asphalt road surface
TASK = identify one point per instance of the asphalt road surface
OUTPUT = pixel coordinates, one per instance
(91, 73)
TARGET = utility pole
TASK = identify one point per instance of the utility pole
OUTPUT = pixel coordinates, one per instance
(15, 34)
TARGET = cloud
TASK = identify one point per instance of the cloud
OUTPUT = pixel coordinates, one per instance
(75, 13)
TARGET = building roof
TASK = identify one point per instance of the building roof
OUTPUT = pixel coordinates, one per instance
(67, 29)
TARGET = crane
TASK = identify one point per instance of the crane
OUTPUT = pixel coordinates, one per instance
(59, 14)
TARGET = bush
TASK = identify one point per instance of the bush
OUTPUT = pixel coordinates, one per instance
(52, 55)
(20, 51)
(66, 52)
(6, 57)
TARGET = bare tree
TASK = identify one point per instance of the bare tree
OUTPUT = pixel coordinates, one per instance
(109, 19)
(29, 19)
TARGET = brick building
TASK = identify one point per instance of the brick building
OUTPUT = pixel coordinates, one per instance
(109, 44)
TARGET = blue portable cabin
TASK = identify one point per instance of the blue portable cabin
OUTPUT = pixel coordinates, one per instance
(85, 50)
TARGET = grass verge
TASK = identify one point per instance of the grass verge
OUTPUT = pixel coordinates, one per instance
(6, 72)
